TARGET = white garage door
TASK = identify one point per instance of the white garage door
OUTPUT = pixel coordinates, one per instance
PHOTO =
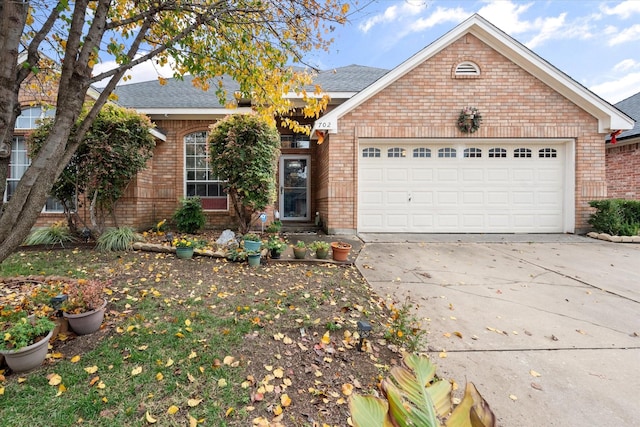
(461, 188)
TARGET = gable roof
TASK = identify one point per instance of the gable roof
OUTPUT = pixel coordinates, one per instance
(609, 118)
(631, 106)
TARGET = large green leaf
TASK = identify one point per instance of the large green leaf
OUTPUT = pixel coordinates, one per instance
(369, 411)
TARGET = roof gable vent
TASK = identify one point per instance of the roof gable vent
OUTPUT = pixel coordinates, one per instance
(466, 69)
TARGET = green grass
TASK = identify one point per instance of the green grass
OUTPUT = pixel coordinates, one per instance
(188, 335)
(75, 263)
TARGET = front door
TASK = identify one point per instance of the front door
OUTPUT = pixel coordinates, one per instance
(294, 187)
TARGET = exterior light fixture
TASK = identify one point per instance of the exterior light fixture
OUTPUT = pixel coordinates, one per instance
(56, 302)
(169, 238)
(364, 330)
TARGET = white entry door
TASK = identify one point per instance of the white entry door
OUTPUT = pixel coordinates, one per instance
(294, 187)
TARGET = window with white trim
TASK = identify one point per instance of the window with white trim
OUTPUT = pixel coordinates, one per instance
(422, 152)
(396, 152)
(29, 117)
(497, 153)
(200, 181)
(447, 152)
(370, 152)
(522, 153)
(472, 152)
(547, 153)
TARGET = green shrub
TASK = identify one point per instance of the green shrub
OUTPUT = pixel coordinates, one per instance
(617, 217)
(56, 234)
(117, 239)
(189, 217)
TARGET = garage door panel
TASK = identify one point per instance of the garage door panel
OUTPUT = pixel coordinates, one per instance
(421, 175)
(457, 195)
(473, 197)
(447, 174)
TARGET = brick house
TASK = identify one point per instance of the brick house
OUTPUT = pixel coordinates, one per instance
(623, 157)
(393, 153)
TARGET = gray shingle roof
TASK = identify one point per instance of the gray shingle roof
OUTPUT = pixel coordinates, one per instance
(631, 107)
(182, 94)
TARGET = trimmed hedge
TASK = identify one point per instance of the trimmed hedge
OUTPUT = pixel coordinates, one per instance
(617, 217)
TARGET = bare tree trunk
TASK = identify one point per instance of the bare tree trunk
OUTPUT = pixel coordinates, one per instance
(13, 15)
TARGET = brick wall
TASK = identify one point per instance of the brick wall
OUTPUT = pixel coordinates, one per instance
(623, 170)
(425, 103)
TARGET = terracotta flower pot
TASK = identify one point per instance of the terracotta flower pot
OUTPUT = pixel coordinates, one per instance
(88, 322)
(28, 357)
(340, 251)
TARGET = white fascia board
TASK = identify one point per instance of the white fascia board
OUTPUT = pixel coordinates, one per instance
(332, 95)
(159, 135)
(609, 118)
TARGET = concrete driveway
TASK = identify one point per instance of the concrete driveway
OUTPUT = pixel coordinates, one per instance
(550, 324)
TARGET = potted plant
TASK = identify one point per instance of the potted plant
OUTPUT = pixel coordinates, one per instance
(25, 342)
(321, 249)
(253, 257)
(300, 250)
(340, 250)
(184, 247)
(274, 227)
(276, 246)
(85, 305)
(252, 242)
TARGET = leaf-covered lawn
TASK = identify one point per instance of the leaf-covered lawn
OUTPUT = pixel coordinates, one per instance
(203, 342)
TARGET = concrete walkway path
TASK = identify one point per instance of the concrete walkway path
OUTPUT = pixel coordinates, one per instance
(550, 324)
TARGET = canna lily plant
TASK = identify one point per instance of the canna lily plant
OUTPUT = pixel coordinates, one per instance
(415, 397)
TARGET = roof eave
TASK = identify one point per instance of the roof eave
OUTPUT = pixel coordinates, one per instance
(609, 118)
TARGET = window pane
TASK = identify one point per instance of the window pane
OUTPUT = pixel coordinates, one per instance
(200, 180)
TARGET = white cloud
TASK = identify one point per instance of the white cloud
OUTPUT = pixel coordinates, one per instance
(143, 72)
(626, 35)
(506, 16)
(619, 89)
(441, 15)
(626, 65)
(622, 10)
(549, 28)
(394, 13)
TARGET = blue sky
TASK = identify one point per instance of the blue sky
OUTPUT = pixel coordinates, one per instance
(597, 43)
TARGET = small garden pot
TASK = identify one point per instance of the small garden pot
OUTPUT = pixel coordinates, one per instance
(28, 357)
(274, 254)
(86, 323)
(184, 253)
(250, 245)
(299, 253)
(340, 250)
(322, 253)
(253, 259)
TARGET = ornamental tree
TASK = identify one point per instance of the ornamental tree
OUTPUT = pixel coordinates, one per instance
(244, 150)
(113, 151)
(250, 41)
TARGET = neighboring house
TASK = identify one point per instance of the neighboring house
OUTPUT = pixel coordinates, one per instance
(623, 157)
(389, 155)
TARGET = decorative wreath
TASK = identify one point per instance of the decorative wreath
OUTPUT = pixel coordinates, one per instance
(469, 120)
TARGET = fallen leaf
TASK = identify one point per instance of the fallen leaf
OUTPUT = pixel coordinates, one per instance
(91, 369)
(193, 402)
(136, 371)
(54, 379)
(149, 418)
(347, 389)
(172, 409)
(285, 400)
(513, 397)
(159, 376)
(536, 386)
(326, 338)
(75, 359)
(534, 373)
(169, 363)
(277, 410)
